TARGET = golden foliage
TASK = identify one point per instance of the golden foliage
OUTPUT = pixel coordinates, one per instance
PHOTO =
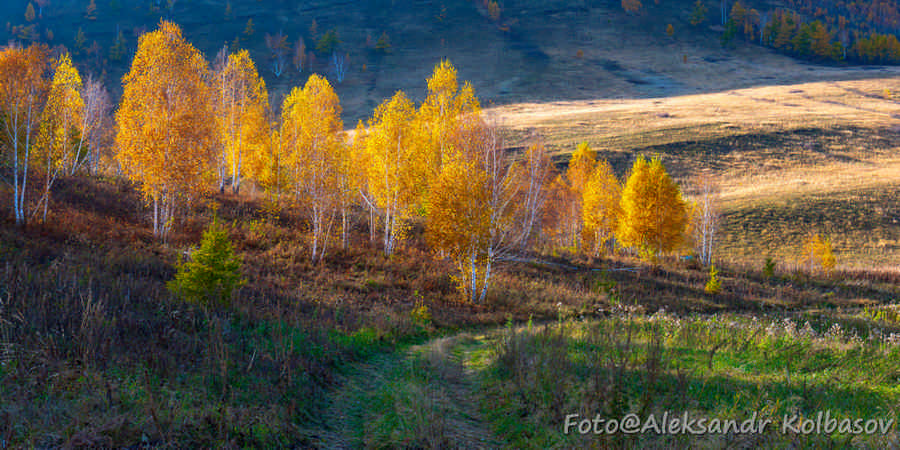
(473, 215)
(166, 128)
(459, 221)
(313, 152)
(243, 113)
(398, 166)
(653, 212)
(600, 207)
(60, 136)
(439, 114)
(565, 211)
(818, 254)
(61, 118)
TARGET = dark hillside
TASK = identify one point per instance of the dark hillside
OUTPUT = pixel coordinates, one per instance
(533, 51)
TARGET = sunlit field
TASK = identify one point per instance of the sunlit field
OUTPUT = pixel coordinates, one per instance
(790, 160)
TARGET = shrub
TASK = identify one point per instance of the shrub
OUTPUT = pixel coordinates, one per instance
(420, 314)
(212, 273)
(713, 286)
(769, 268)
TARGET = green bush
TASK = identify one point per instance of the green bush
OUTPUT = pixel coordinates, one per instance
(713, 286)
(769, 268)
(213, 271)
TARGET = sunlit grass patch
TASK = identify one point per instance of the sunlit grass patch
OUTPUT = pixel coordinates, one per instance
(723, 366)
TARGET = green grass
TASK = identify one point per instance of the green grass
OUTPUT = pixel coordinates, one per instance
(416, 397)
(723, 366)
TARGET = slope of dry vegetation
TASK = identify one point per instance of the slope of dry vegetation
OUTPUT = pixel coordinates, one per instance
(97, 352)
(538, 50)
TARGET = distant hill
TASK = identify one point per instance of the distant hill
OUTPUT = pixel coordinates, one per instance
(520, 51)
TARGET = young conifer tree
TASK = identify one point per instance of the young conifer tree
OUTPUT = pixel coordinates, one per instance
(213, 273)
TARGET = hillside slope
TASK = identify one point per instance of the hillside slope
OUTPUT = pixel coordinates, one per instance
(535, 51)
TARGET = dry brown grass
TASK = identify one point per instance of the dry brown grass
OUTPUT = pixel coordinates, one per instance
(791, 159)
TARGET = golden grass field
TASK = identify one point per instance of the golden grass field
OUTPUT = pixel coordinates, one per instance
(815, 157)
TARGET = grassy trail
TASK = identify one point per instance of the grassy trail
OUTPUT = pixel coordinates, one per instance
(421, 396)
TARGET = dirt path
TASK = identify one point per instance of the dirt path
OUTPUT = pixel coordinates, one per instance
(424, 396)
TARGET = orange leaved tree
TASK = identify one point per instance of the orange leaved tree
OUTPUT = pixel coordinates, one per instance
(166, 130)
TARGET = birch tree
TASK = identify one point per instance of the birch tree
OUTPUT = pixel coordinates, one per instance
(243, 103)
(445, 103)
(360, 160)
(23, 90)
(581, 166)
(61, 136)
(166, 131)
(534, 173)
(706, 217)
(397, 172)
(313, 150)
(472, 218)
(96, 120)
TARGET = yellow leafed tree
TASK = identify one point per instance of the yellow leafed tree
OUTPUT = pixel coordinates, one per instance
(313, 152)
(600, 208)
(473, 213)
(61, 137)
(459, 220)
(557, 217)
(439, 114)
(360, 161)
(166, 130)
(242, 105)
(398, 171)
(351, 177)
(266, 164)
(818, 254)
(632, 6)
(581, 166)
(654, 214)
(23, 92)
